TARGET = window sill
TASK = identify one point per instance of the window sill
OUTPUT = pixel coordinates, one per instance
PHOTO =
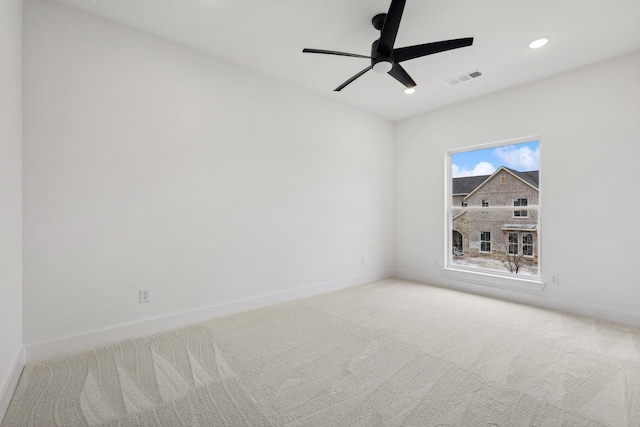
(533, 285)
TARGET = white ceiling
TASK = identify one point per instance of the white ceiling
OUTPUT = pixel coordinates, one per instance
(268, 36)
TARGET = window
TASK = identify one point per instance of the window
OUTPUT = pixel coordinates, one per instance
(520, 202)
(493, 212)
(485, 241)
(527, 244)
(513, 244)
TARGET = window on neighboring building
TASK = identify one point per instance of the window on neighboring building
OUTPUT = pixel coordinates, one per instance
(485, 241)
(493, 207)
(527, 244)
(521, 202)
(513, 244)
(458, 244)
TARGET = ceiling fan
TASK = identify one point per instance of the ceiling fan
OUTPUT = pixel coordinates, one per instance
(386, 59)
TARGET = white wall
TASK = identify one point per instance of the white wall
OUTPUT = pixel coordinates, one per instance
(11, 348)
(147, 165)
(589, 121)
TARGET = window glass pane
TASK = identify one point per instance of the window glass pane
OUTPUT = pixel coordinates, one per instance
(497, 178)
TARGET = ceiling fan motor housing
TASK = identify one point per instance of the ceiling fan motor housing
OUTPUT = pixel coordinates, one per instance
(381, 61)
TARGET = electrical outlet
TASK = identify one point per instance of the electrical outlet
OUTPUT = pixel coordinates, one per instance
(145, 295)
(555, 278)
(436, 261)
(362, 261)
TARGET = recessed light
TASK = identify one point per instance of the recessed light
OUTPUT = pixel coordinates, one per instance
(409, 90)
(538, 43)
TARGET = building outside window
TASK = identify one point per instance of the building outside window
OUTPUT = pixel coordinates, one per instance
(484, 231)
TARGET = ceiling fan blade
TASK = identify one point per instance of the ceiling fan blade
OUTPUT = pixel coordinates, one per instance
(333, 52)
(343, 85)
(391, 25)
(411, 52)
(399, 73)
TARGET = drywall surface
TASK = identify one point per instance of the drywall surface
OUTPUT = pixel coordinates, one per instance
(147, 165)
(589, 123)
(11, 349)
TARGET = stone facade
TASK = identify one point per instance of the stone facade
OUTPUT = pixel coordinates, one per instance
(487, 233)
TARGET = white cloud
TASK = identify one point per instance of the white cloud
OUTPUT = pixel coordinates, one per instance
(482, 168)
(521, 159)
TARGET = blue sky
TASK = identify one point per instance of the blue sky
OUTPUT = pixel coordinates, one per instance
(521, 157)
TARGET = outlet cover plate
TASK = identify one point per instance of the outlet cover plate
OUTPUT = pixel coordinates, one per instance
(145, 295)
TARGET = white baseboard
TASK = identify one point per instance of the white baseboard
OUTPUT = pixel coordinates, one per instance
(44, 350)
(9, 386)
(588, 310)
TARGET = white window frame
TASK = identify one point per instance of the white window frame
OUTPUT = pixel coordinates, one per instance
(484, 277)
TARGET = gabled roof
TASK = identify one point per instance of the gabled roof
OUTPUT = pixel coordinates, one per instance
(531, 177)
(467, 184)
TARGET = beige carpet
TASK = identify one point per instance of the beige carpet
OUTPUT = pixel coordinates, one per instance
(389, 353)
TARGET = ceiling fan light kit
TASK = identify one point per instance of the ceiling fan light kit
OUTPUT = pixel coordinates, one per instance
(384, 58)
(382, 66)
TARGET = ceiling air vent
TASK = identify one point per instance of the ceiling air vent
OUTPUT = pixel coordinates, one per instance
(464, 78)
